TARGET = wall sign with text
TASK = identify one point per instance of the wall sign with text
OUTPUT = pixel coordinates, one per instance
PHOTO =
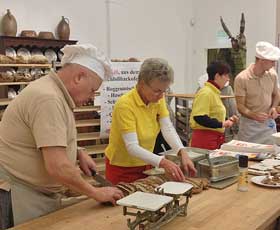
(125, 76)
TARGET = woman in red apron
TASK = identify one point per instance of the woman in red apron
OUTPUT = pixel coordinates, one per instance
(138, 117)
(208, 116)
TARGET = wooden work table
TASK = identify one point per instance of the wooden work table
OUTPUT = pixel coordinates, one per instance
(212, 209)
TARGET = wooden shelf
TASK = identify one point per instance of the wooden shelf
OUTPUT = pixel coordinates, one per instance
(1, 114)
(58, 64)
(5, 101)
(27, 65)
(87, 122)
(88, 108)
(30, 42)
(100, 164)
(15, 83)
(95, 149)
(88, 136)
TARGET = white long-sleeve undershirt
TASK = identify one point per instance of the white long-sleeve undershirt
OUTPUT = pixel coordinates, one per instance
(168, 132)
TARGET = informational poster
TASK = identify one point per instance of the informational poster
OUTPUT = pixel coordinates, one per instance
(125, 76)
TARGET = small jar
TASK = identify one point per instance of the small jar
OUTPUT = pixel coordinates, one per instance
(242, 184)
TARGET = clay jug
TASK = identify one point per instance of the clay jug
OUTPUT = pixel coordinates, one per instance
(9, 24)
(63, 29)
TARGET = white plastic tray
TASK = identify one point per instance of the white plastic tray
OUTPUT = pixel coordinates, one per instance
(145, 201)
(175, 188)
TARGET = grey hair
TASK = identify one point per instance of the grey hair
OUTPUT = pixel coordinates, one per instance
(156, 68)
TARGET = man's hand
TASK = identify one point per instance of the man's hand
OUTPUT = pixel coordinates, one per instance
(172, 170)
(261, 117)
(106, 194)
(273, 113)
(86, 162)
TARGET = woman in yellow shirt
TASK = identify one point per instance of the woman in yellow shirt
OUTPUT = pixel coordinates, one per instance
(138, 117)
(208, 116)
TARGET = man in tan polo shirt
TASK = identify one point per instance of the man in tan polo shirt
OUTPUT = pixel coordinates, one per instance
(38, 145)
(257, 95)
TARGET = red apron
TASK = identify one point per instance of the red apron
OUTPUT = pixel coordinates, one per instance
(117, 174)
(207, 139)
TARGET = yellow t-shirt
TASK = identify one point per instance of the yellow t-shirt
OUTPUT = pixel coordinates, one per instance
(208, 102)
(132, 115)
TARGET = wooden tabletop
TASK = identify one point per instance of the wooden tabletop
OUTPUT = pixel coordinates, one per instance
(212, 209)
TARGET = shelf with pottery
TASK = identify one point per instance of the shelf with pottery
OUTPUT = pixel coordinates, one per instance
(27, 65)
(14, 83)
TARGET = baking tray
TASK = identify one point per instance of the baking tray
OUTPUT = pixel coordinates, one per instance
(195, 154)
(218, 168)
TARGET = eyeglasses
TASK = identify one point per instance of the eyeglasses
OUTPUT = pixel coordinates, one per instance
(157, 91)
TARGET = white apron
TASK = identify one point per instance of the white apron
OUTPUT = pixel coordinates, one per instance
(255, 131)
(28, 203)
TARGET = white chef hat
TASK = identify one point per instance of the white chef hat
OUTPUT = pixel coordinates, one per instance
(202, 79)
(265, 50)
(88, 56)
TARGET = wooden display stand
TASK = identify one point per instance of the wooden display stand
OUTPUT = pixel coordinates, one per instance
(28, 42)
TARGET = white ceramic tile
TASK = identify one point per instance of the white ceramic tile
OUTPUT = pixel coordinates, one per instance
(175, 188)
(145, 201)
(271, 162)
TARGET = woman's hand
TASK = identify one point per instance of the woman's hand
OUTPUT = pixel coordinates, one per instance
(227, 123)
(187, 163)
(234, 119)
(172, 170)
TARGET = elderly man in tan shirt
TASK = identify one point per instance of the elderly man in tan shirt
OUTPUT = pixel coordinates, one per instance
(38, 145)
(257, 95)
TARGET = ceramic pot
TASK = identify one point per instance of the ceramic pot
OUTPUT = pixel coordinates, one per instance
(63, 29)
(46, 35)
(9, 24)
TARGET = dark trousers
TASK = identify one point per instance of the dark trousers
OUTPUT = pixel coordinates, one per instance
(160, 140)
(6, 213)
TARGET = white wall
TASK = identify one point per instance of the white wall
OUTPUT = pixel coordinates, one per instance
(157, 28)
(87, 17)
(260, 17)
(146, 28)
(153, 28)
